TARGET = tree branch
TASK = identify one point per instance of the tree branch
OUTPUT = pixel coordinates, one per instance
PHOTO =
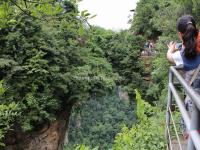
(18, 6)
(25, 11)
(36, 2)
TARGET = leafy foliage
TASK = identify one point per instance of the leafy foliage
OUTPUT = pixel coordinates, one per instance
(154, 20)
(99, 120)
(123, 50)
(45, 66)
(51, 59)
(8, 114)
(148, 134)
(142, 22)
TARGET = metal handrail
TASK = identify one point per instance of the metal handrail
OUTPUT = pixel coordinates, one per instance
(192, 123)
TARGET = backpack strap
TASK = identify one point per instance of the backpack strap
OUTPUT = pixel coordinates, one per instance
(198, 43)
(195, 74)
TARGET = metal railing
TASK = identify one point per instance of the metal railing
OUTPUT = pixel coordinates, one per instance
(192, 122)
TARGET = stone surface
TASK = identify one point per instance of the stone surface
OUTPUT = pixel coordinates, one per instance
(50, 137)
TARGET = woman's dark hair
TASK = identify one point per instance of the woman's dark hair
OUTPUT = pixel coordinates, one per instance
(187, 26)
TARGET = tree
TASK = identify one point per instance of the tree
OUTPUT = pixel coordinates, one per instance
(123, 50)
(99, 120)
(142, 23)
(47, 70)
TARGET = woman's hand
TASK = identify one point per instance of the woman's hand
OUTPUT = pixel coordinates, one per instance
(171, 47)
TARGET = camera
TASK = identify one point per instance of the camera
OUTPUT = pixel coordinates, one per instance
(178, 46)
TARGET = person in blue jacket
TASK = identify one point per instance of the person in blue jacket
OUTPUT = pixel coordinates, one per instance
(187, 53)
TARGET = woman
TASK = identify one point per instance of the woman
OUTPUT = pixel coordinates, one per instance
(188, 56)
(188, 53)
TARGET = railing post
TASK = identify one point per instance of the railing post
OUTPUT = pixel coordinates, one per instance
(169, 104)
(194, 125)
(193, 121)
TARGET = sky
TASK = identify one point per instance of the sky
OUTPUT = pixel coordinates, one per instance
(111, 14)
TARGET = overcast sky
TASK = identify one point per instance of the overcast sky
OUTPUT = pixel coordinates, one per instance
(111, 14)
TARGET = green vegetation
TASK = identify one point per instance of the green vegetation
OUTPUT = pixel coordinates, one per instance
(8, 114)
(46, 59)
(100, 128)
(154, 20)
(147, 134)
(123, 52)
(51, 60)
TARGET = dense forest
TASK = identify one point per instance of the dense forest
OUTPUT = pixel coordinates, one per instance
(100, 128)
(61, 78)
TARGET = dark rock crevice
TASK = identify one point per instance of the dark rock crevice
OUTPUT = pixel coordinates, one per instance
(49, 137)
